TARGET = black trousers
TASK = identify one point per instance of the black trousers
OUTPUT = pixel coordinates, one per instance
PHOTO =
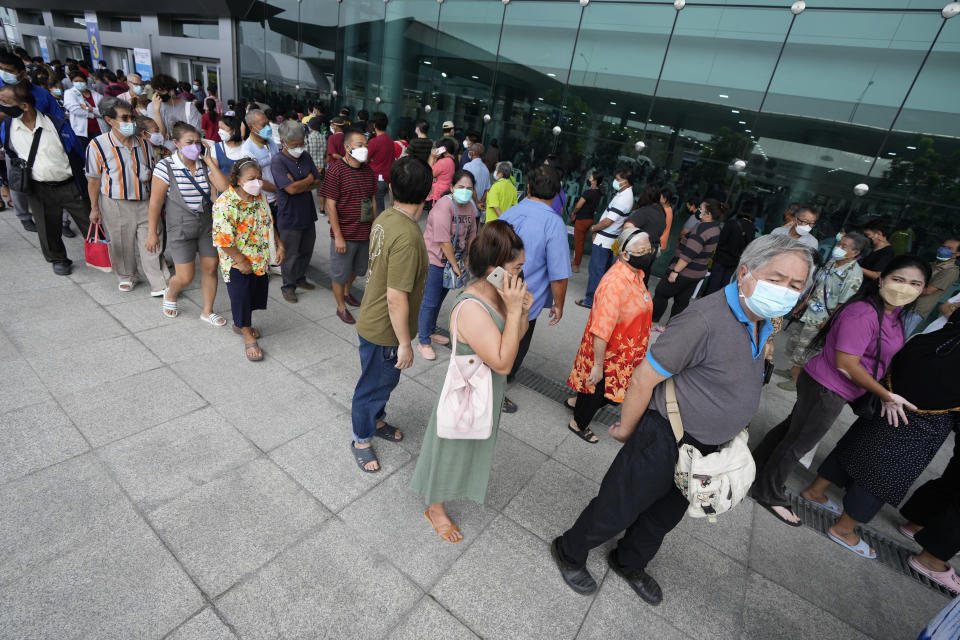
(588, 404)
(299, 245)
(522, 349)
(860, 504)
(637, 495)
(777, 454)
(248, 292)
(47, 202)
(681, 291)
(936, 506)
(720, 276)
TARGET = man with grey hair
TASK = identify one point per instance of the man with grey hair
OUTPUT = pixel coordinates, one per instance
(295, 176)
(261, 147)
(714, 353)
(137, 88)
(503, 194)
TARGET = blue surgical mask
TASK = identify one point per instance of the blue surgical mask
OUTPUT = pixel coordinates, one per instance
(80, 86)
(944, 254)
(463, 196)
(57, 92)
(127, 128)
(616, 185)
(838, 253)
(266, 133)
(771, 300)
(9, 78)
(136, 88)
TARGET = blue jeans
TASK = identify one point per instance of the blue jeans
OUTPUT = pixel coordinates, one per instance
(433, 297)
(379, 376)
(600, 260)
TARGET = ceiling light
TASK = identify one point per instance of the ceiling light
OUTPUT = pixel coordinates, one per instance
(613, 103)
(734, 111)
(443, 74)
(723, 95)
(891, 153)
(741, 122)
(633, 113)
(749, 131)
(552, 75)
(912, 148)
(540, 99)
(427, 62)
(475, 77)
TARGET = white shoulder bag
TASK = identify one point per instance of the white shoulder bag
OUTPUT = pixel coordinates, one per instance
(465, 408)
(714, 483)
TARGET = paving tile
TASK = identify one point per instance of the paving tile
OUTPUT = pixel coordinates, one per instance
(551, 502)
(337, 382)
(390, 516)
(321, 461)
(21, 386)
(805, 562)
(592, 460)
(116, 410)
(35, 437)
(104, 289)
(276, 318)
(8, 350)
(729, 534)
(314, 305)
(186, 337)
(544, 432)
(203, 626)
(92, 364)
(618, 613)
(142, 314)
(507, 586)
(307, 345)
(774, 613)
(227, 376)
(703, 591)
(286, 408)
(25, 269)
(430, 620)
(159, 464)
(514, 463)
(234, 524)
(321, 588)
(75, 550)
(338, 327)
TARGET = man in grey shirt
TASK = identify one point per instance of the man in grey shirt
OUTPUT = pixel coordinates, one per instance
(803, 223)
(714, 353)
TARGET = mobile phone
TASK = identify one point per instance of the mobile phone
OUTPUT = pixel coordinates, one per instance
(497, 277)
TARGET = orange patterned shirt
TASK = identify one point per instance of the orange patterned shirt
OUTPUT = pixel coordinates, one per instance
(621, 315)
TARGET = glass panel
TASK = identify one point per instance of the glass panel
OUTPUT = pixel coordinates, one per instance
(319, 41)
(363, 27)
(408, 64)
(251, 53)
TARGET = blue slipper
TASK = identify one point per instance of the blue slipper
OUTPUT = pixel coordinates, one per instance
(388, 432)
(829, 505)
(862, 549)
(363, 457)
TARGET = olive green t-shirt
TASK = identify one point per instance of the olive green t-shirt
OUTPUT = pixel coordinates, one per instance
(398, 260)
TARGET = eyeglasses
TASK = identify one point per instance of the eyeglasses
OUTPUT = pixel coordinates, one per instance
(808, 221)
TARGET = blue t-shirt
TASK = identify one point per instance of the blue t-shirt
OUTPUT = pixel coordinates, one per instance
(545, 246)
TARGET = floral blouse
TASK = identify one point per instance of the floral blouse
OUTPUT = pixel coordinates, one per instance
(621, 314)
(244, 225)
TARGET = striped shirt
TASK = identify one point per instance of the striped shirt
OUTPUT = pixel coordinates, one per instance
(191, 196)
(348, 187)
(124, 172)
(697, 248)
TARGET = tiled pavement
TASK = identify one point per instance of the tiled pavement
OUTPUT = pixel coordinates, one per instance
(154, 484)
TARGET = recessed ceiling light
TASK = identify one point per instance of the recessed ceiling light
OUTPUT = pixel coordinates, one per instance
(475, 77)
(427, 62)
(552, 75)
(540, 99)
(443, 74)
(741, 122)
(633, 113)
(891, 153)
(734, 111)
(723, 95)
(613, 103)
(912, 148)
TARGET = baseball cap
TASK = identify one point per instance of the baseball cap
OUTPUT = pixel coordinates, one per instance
(447, 125)
(337, 120)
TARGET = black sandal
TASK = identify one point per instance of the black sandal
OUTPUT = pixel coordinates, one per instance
(779, 517)
(584, 434)
(572, 407)
(388, 432)
(508, 405)
(363, 457)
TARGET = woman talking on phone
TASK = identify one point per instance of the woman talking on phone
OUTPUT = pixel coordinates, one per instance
(488, 320)
(185, 185)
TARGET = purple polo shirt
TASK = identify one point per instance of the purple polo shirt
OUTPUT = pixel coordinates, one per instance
(293, 211)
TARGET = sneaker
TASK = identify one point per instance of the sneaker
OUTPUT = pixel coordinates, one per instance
(427, 352)
(439, 339)
(289, 295)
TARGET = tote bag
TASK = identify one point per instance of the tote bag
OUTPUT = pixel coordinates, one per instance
(465, 408)
(95, 249)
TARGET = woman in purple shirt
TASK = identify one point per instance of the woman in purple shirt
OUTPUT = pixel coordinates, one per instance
(842, 372)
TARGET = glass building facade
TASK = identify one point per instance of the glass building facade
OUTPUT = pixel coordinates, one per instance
(813, 99)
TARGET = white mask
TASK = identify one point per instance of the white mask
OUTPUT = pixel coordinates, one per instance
(156, 139)
(296, 152)
(466, 144)
(359, 154)
(224, 135)
(803, 229)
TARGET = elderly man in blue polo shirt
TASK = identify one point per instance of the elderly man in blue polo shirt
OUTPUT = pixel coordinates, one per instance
(714, 353)
(547, 265)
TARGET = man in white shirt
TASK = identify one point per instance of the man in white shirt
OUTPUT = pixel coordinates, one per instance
(803, 223)
(606, 231)
(137, 88)
(55, 186)
(261, 147)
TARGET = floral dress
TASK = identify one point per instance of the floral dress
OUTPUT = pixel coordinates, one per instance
(621, 315)
(244, 225)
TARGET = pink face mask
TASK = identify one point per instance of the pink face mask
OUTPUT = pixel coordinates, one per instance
(252, 187)
(191, 151)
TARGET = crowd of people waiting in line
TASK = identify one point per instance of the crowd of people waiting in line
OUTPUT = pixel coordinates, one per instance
(242, 191)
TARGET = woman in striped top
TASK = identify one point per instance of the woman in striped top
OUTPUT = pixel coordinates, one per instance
(689, 265)
(188, 204)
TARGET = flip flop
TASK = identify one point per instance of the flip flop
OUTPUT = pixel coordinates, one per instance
(388, 432)
(508, 405)
(862, 549)
(780, 517)
(947, 579)
(364, 457)
(580, 303)
(443, 530)
(829, 505)
(584, 434)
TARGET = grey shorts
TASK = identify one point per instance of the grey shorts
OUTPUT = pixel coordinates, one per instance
(187, 236)
(799, 337)
(354, 261)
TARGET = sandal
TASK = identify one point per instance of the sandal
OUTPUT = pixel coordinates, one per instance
(126, 286)
(217, 320)
(780, 517)
(256, 332)
(572, 407)
(388, 432)
(581, 303)
(947, 579)
(862, 549)
(584, 434)
(906, 533)
(508, 405)
(253, 351)
(170, 309)
(363, 457)
(443, 530)
(829, 505)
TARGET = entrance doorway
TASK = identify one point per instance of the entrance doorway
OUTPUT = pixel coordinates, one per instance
(206, 72)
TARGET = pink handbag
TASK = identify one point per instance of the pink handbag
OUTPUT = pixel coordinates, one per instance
(465, 409)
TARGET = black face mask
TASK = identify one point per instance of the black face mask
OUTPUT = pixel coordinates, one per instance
(164, 97)
(643, 262)
(13, 112)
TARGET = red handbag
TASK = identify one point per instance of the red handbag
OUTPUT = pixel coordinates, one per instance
(95, 250)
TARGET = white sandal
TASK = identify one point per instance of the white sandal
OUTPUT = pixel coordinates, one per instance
(126, 286)
(169, 306)
(215, 319)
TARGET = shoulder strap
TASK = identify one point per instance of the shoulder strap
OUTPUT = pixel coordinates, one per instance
(34, 146)
(453, 322)
(673, 410)
(206, 196)
(876, 363)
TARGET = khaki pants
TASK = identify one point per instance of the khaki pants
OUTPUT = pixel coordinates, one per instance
(127, 222)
